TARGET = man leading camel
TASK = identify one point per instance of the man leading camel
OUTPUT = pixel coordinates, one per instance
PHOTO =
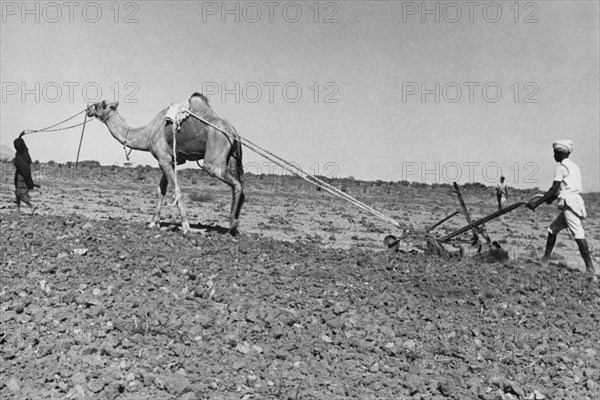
(23, 181)
(566, 188)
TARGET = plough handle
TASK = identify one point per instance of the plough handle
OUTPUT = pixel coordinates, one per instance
(482, 221)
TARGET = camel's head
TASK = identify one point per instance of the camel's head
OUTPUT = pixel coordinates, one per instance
(102, 110)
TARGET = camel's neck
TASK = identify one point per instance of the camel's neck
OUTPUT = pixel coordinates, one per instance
(135, 138)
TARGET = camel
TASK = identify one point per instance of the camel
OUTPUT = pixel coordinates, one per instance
(195, 141)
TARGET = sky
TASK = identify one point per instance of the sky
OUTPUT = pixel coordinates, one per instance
(430, 92)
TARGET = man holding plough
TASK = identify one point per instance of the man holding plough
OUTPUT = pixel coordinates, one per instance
(567, 189)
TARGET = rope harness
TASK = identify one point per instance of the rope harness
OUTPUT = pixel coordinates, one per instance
(48, 128)
(126, 134)
(176, 113)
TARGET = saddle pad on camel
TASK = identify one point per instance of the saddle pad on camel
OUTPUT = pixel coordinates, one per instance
(177, 113)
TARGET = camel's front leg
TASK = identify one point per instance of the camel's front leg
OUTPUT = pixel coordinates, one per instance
(169, 172)
(161, 191)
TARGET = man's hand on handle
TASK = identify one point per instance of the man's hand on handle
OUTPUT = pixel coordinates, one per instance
(547, 197)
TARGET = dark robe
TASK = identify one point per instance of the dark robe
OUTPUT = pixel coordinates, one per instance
(22, 164)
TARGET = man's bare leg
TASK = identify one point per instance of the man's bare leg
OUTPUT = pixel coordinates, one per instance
(550, 242)
(585, 254)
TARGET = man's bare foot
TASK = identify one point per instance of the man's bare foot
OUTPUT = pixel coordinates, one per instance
(33, 210)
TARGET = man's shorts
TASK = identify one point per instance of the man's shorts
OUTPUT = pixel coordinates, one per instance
(567, 219)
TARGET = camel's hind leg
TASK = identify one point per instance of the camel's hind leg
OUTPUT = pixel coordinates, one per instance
(230, 177)
(238, 196)
(237, 201)
(161, 191)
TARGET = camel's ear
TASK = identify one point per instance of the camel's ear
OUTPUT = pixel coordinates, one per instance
(113, 106)
(103, 104)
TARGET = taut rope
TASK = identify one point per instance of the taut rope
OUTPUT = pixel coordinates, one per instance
(302, 174)
(48, 128)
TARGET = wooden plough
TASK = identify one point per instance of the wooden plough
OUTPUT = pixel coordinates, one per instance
(438, 245)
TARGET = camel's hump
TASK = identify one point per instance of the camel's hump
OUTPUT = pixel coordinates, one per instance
(198, 104)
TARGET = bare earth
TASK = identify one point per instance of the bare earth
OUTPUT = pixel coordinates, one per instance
(304, 304)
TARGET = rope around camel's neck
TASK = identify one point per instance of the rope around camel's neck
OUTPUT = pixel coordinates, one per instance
(105, 121)
(124, 143)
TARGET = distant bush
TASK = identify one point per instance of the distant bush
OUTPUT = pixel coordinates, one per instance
(441, 186)
(88, 164)
(475, 186)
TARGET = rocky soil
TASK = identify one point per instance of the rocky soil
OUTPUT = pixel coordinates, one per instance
(96, 306)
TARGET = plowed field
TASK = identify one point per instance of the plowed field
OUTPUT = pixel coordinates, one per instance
(304, 304)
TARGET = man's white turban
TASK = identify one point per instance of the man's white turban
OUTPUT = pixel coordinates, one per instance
(564, 145)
